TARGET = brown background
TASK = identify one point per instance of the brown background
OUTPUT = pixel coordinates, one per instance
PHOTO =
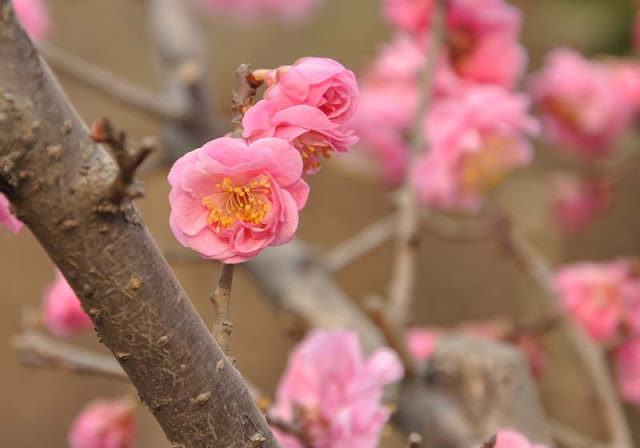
(455, 282)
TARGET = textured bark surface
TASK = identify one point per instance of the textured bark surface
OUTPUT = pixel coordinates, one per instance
(59, 182)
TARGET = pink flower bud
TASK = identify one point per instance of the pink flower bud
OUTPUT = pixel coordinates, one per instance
(104, 424)
(422, 342)
(61, 310)
(509, 438)
(335, 392)
(6, 218)
(318, 82)
(34, 16)
(230, 200)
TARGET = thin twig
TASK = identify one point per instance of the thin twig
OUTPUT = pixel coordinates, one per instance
(572, 438)
(404, 265)
(393, 334)
(537, 267)
(115, 87)
(37, 350)
(221, 299)
(361, 244)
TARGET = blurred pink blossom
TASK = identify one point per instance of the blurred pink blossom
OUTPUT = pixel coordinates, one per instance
(509, 438)
(6, 218)
(581, 107)
(104, 424)
(61, 310)
(34, 16)
(307, 128)
(409, 15)
(422, 342)
(318, 82)
(576, 202)
(627, 361)
(475, 140)
(230, 200)
(334, 392)
(603, 297)
(626, 79)
(252, 10)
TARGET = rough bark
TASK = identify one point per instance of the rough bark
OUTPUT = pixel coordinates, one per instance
(59, 182)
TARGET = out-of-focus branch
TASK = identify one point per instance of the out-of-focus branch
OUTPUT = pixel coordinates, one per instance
(37, 350)
(361, 244)
(536, 266)
(402, 285)
(221, 299)
(57, 178)
(115, 87)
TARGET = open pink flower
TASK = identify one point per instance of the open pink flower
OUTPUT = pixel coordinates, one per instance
(251, 10)
(34, 16)
(334, 392)
(600, 297)
(475, 140)
(61, 310)
(307, 128)
(230, 200)
(104, 424)
(509, 438)
(582, 109)
(627, 361)
(6, 218)
(318, 82)
(576, 202)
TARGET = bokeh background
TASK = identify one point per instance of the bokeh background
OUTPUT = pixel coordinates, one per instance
(455, 282)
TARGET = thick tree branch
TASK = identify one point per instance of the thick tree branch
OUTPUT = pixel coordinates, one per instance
(57, 178)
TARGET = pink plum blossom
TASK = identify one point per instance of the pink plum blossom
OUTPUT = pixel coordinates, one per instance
(230, 200)
(6, 218)
(334, 392)
(627, 361)
(318, 82)
(509, 438)
(581, 107)
(576, 202)
(251, 10)
(409, 15)
(475, 140)
(61, 310)
(34, 16)
(603, 297)
(307, 128)
(104, 424)
(422, 342)
(626, 80)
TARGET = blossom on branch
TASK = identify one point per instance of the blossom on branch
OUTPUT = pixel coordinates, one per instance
(475, 140)
(6, 218)
(62, 312)
(230, 200)
(334, 394)
(34, 16)
(104, 424)
(582, 109)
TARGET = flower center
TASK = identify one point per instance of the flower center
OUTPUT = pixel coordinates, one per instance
(484, 169)
(248, 203)
(311, 154)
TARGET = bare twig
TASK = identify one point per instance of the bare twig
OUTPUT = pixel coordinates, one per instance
(220, 299)
(393, 334)
(128, 159)
(242, 98)
(37, 350)
(360, 244)
(115, 87)
(404, 263)
(572, 438)
(536, 266)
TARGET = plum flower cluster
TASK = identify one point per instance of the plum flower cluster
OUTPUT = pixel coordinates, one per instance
(251, 10)
(333, 393)
(476, 131)
(604, 298)
(233, 197)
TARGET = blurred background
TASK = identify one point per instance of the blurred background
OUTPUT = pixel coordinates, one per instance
(455, 282)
